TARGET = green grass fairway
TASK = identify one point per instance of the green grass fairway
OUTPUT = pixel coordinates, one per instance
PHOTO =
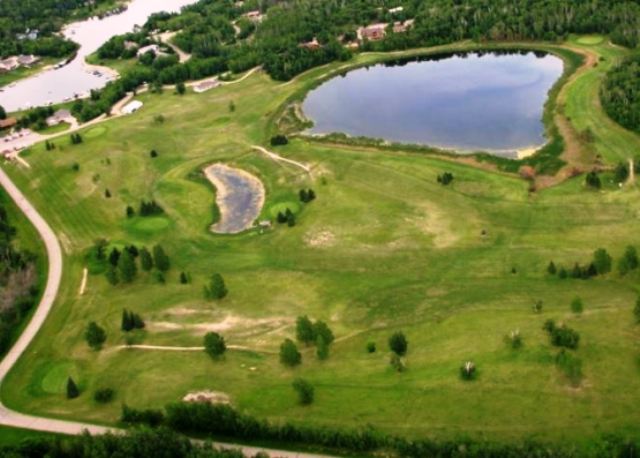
(590, 40)
(384, 247)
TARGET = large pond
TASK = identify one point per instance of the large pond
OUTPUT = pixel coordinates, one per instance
(58, 85)
(239, 196)
(465, 102)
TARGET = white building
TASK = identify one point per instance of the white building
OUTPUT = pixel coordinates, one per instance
(132, 107)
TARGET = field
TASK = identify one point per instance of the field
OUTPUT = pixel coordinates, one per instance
(383, 248)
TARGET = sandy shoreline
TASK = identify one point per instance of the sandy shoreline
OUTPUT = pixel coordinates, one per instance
(223, 192)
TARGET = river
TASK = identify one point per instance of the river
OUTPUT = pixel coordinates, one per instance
(58, 85)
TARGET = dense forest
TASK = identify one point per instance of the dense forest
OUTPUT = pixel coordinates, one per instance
(143, 443)
(18, 280)
(620, 93)
(43, 18)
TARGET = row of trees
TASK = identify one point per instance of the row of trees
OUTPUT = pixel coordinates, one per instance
(601, 264)
(122, 265)
(620, 93)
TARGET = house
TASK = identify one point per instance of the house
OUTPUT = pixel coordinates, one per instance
(372, 32)
(204, 86)
(254, 16)
(132, 107)
(8, 123)
(28, 60)
(313, 44)
(59, 117)
(402, 27)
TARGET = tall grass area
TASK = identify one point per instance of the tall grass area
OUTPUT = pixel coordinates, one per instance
(383, 248)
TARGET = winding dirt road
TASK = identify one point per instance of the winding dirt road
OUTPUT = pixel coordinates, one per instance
(15, 419)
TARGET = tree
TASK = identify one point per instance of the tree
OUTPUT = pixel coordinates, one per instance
(551, 269)
(621, 172)
(602, 261)
(114, 257)
(398, 343)
(160, 259)
(322, 348)
(304, 390)
(72, 389)
(95, 335)
(576, 305)
(107, 193)
(153, 154)
(100, 248)
(216, 288)
(181, 88)
(593, 180)
(232, 106)
(112, 275)
(214, 344)
(146, 261)
(371, 347)
(304, 330)
(289, 354)
(130, 212)
(3, 113)
(279, 139)
(127, 267)
(184, 278)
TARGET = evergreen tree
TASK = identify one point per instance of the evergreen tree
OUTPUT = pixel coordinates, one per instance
(138, 322)
(551, 269)
(320, 328)
(114, 257)
(153, 154)
(216, 289)
(112, 275)
(322, 348)
(304, 330)
(107, 193)
(130, 212)
(160, 259)
(181, 88)
(127, 321)
(127, 267)
(289, 354)
(184, 278)
(281, 218)
(214, 344)
(133, 250)
(95, 335)
(146, 261)
(304, 196)
(629, 261)
(72, 389)
(305, 391)
(593, 180)
(398, 344)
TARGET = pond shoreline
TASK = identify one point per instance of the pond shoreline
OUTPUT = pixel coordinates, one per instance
(239, 208)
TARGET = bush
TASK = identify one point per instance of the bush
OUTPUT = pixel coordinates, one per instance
(576, 305)
(304, 390)
(147, 417)
(214, 345)
(445, 179)
(398, 344)
(371, 347)
(593, 180)
(103, 395)
(571, 366)
(514, 339)
(562, 336)
(72, 389)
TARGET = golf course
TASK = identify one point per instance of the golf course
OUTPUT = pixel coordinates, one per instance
(384, 247)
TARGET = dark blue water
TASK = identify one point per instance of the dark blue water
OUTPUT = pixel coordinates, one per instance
(469, 102)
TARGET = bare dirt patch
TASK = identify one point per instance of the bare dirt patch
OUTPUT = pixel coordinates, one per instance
(209, 397)
(320, 239)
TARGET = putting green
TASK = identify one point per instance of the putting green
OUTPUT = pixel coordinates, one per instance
(55, 381)
(590, 40)
(95, 132)
(282, 207)
(148, 225)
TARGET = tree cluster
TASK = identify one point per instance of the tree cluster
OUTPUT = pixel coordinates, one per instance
(150, 208)
(620, 93)
(287, 217)
(307, 195)
(445, 179)
(315, 333)
(75, 139)
(562, 336)
(600, 265)
(122, 266)
(131, 321)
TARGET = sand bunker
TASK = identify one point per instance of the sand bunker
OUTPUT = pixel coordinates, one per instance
(240, 197)
(211, 397)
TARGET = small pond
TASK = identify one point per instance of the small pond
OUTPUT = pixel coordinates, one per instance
(490, 101)
(239, 196)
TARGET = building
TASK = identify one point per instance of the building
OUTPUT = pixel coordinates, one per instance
(59, 117)
(8, 123)
(132, 107)
(254, 16)
(28, 60)
(313, 44)
(372, 32)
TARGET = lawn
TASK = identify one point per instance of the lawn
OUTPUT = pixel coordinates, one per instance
(384, 247)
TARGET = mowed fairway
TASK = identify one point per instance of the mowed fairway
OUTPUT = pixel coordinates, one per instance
(383, 248)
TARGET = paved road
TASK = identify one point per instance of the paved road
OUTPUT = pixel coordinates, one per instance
(9, 417)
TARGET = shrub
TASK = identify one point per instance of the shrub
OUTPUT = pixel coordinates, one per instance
(537, 307)
(371, 347)
(602, 261)
(445, 179)
(551, 268)
(153, 154)
(562, 336)
(214, 344)
(468, 371)
(103, 395)
(148, 417)
(216, 288)
(398, 344)
(304, 390)
(289, 354)
(593, 180)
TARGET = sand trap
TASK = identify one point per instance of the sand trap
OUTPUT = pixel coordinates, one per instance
(240, 198)
(211, 397)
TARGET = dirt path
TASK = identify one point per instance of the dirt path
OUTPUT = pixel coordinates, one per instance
(166, 39)
(278, 158)
(189, 349)
(83, 284)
